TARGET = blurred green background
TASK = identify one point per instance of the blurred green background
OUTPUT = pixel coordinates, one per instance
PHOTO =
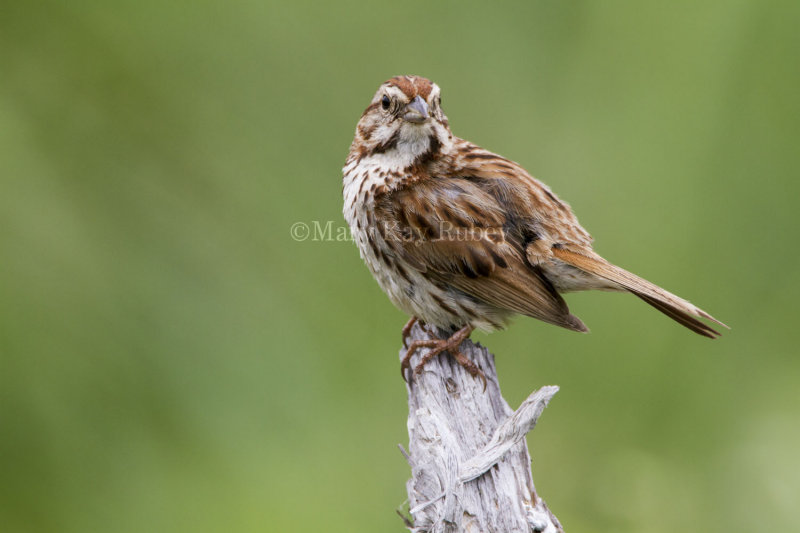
(172, 360)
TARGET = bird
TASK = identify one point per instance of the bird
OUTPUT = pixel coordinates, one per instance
(461, 238)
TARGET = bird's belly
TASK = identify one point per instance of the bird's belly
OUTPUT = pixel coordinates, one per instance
(416, 295)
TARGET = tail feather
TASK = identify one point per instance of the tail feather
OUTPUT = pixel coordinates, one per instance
(673, 306)
(681, 317)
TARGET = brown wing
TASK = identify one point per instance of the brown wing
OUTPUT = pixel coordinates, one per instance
(523, 196)
(563, 238)
(458, 232)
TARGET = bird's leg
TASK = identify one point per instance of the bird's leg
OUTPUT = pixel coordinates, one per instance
(412, 349)
(452, 344)
(469, 365)
(407, 330)
(438, 346)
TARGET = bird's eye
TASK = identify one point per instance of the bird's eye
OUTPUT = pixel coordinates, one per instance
(385, 102)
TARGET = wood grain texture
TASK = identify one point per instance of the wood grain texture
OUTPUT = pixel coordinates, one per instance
(469, 460)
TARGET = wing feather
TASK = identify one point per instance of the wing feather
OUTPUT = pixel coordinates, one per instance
(458, 234)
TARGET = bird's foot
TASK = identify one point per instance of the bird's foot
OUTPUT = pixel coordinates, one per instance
(407, 330)
(437, 346)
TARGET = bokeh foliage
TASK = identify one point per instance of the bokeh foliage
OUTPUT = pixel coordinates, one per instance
(172, 360)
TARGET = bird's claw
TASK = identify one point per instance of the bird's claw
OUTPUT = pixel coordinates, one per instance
(406, 332)
(437, 346)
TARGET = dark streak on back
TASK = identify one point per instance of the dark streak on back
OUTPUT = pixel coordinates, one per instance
(552, 197)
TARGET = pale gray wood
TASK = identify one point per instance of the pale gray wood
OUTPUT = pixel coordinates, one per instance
(469, 460)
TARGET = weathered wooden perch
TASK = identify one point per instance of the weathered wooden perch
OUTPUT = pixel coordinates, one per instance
(469, 461)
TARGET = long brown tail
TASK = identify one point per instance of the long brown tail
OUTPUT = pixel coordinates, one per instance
(674, 307)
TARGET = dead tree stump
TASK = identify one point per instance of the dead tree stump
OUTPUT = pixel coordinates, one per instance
(470, 467)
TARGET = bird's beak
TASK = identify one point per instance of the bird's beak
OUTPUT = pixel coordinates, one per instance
(416, 111)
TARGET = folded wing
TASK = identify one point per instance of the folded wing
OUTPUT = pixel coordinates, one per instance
(457, 232)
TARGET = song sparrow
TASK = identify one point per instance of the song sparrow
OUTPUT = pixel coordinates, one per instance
(461, 238)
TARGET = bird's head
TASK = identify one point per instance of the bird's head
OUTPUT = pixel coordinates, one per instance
(405, 116)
